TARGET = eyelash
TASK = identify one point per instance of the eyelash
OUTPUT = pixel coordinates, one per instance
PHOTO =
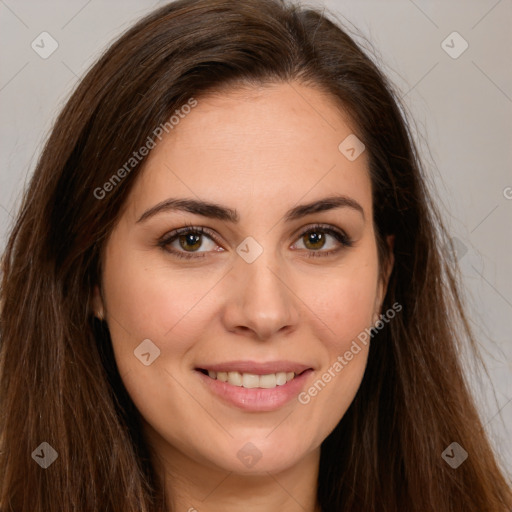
(343, 239)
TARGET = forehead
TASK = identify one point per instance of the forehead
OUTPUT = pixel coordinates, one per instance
(278, 143)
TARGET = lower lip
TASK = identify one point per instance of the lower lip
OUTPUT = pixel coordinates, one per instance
(256, 399)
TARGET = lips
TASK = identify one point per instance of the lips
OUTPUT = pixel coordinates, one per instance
(255, 386)
(256, 368)
(249, 374)
(252, 380)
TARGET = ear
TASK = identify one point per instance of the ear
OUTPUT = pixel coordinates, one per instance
(390, 241)
(383, 283)
(97, 306)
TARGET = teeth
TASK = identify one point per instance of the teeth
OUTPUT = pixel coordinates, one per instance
(269, 381)
(235, 378)
(250, 380)
(281, 378)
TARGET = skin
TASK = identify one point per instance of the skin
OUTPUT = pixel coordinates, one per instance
(260, 151)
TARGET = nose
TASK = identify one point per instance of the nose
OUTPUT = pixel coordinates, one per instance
(260, 302)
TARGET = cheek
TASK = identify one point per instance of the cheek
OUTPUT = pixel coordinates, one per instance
(147, 299)
(346, 306)
(345, 303)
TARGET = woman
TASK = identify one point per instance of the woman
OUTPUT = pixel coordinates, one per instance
(224, 289)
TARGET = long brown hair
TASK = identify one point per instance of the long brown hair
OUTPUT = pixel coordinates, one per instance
(58, 379)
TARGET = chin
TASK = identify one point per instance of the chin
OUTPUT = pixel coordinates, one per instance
(261, 454)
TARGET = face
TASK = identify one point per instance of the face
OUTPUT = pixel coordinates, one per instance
(233, 336)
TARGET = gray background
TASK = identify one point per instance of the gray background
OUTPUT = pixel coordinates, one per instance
(461, 108)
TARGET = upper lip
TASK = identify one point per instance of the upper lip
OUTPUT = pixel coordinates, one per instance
(256, 368)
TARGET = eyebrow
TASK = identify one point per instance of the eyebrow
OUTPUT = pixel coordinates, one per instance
(217, 211)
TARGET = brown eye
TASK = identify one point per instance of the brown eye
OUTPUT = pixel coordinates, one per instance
(186, 242)
(314, 240)
(190, 241)
(317, 238)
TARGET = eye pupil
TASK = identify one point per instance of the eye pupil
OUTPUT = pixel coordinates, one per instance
(316, 238)
(192, 238)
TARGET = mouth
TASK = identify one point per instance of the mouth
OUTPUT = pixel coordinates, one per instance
(255, 387)
(252, 380)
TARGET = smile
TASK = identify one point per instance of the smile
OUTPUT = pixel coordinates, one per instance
(255, 387)
(251, 380)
